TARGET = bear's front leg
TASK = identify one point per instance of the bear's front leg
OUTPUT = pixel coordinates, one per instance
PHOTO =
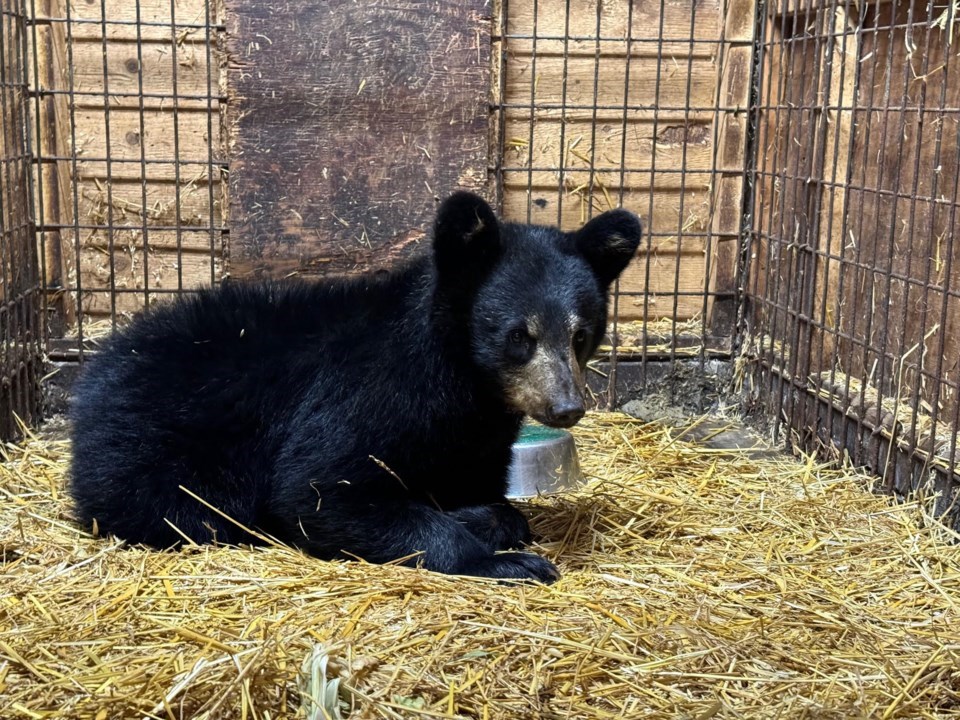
(500, 526)
(417, 535)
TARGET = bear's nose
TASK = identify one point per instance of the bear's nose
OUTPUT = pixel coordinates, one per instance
(566, 415)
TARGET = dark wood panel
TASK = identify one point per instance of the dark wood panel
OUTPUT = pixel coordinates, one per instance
(348, 122)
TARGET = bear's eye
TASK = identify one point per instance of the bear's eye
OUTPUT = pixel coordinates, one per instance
(518, 337)
(520, 346)
(580, 337)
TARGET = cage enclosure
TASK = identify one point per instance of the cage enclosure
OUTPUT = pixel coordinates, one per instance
(797, 167)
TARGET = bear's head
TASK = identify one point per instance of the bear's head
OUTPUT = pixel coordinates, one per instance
(534, 299)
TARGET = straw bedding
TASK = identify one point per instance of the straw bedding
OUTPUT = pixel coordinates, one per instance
(697, 583)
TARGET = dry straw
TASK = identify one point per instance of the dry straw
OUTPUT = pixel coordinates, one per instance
(697, 583)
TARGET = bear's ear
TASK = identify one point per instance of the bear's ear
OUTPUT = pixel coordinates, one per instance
(466, 238)
(609, 242)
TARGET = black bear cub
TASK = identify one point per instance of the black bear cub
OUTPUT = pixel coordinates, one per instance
(363, 418)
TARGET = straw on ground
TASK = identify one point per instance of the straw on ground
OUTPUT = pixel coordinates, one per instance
(697, 583)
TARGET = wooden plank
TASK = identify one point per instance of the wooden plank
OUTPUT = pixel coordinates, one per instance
(673, 212)
(665, 178)
(129, 241)
(842, 93)
(739, 21)
(160, 61)
(348, 120)
(193, 168)
(165, 270)
(20, 280)
(725, 256)
(683, 84)
(146, 11)
(195, 210)
(156, 19)
(672, 53)
(731, 132)
(767, 190)
(157, 139)
(53, 189)
(659, 295)
(191, 240)
(613, 115)
(18, 262)
(678, 18)
(128, 34)
(676, 145)
(787, 151)
(803, 8)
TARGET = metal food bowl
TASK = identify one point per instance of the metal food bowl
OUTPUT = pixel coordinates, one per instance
(544, 462)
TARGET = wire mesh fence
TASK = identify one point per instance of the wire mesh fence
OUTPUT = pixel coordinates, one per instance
(127, 102)
(641, 105)
(853, 291)
(590, 110)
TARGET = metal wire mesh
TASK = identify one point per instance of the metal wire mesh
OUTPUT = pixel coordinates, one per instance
(127, 101)
(854, 304)
(591, 110)
(19, 276)
(641, 105)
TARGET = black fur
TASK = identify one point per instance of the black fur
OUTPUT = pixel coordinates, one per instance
(352, 418)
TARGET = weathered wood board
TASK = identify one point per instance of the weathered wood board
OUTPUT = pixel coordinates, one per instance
(730, 129)
(20, 326)
(347, 122)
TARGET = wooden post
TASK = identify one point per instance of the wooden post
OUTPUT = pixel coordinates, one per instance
(53, 191)
(731, 134)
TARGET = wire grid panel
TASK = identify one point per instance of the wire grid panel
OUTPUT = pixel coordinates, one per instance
(19, 276)
(643, 105)
(854, 293)
(128, 136)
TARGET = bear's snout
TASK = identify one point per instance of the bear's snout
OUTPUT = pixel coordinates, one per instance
(564, 415)
(549, 389)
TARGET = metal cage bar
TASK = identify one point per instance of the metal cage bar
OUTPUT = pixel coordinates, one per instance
(638, 108)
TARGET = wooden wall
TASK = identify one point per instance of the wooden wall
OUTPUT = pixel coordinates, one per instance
(347, 123)
(903, 216)
(658, 128)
